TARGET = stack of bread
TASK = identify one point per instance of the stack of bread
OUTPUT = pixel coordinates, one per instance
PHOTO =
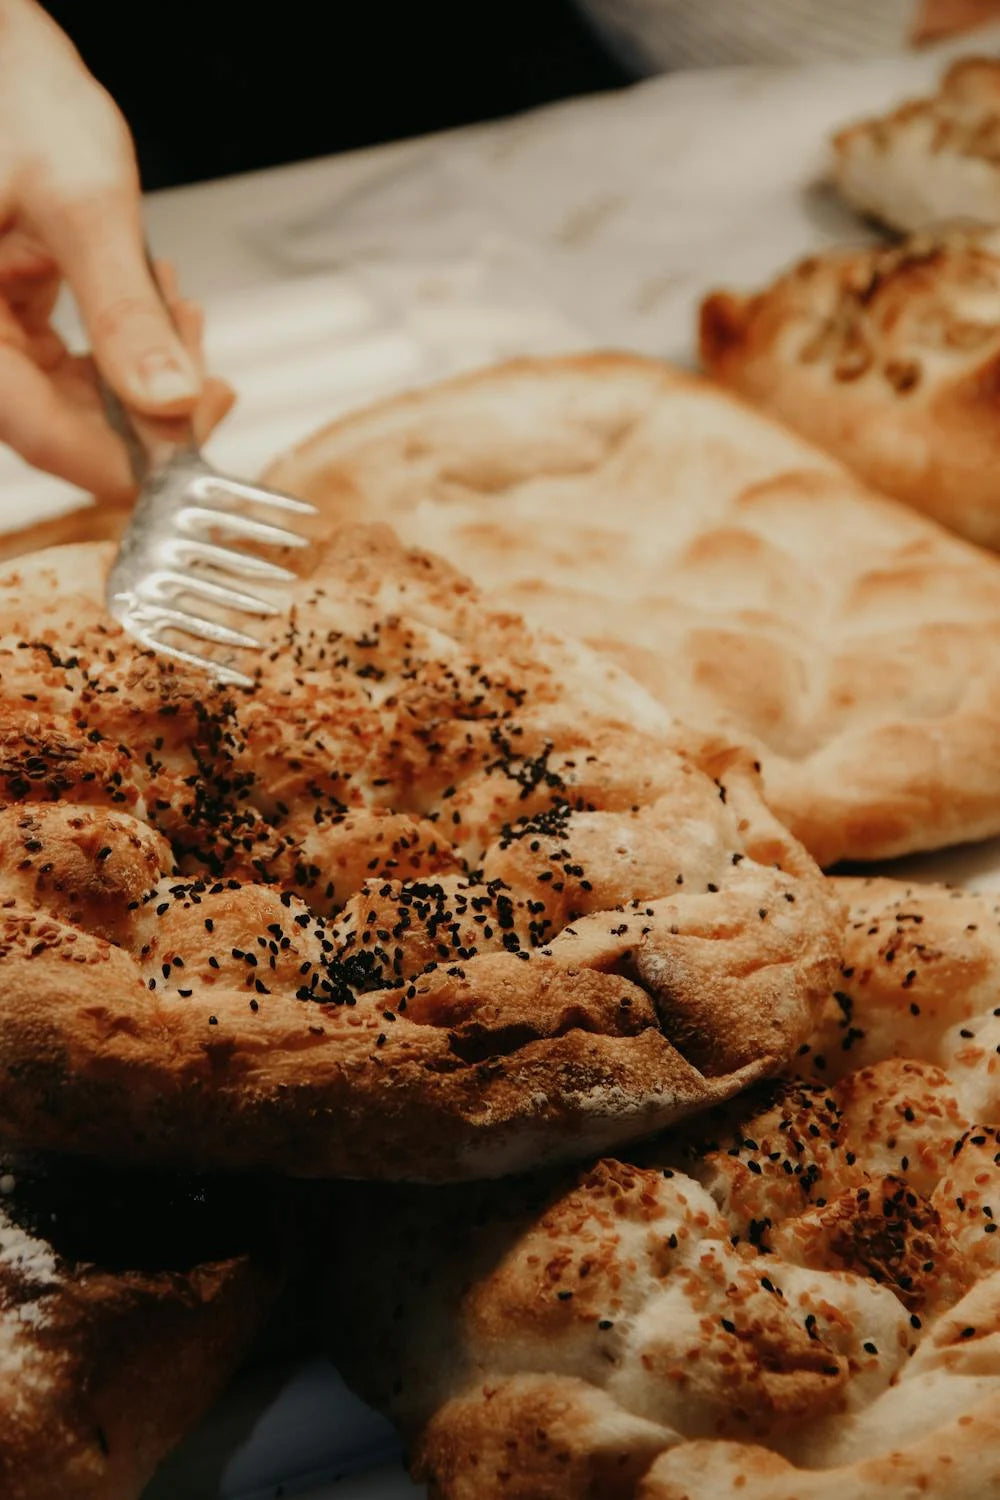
(497, 945)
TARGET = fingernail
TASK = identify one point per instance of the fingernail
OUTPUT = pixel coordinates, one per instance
(161, 378)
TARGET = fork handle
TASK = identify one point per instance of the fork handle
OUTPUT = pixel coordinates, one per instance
(151, 442)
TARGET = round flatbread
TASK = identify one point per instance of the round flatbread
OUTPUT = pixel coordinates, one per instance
(796, 1298)
(435, 898)
(742, 576)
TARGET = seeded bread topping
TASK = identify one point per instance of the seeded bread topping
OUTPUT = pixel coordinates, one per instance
(435, 898)
(886, 356)
(796, 1295)
(889, 313)
(750, 582)
(930, 160)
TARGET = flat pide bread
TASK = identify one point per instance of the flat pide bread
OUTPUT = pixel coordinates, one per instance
(798, 1298)
(889, 358)
(741, 574)
(435, 899)
(126, 1303)
(930, 159)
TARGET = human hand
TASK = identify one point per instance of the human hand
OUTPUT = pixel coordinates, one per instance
(70, 208)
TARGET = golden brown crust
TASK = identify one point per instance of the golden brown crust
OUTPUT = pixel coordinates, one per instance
(890, 359)
(124, 1308)
(957, 1458)
(436, 898)
(799, 1295)
(930, 160)
(935, 20)
(90, 521)
(744, 578)
(540, 1440)
(918, 980)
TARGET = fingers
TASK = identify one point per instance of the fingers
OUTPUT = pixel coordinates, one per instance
(23, 257)
(187, 317)
(54, 434)
(29, 330)
(217, 397)
(71, 440)
(73, 184)
(165, 273)
(217, 400)
(49, 407)
(99, 246)
(190, 323)
(29, 279)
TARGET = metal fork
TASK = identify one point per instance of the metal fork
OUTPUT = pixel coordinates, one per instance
(167, 553)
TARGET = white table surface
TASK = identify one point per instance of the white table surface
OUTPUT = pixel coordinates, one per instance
(332, 282)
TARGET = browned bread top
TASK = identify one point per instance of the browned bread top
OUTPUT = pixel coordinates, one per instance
(930, 159)
(899, 313)
(748, 580)
(436, 898)
(798, 1295)
(889, 358)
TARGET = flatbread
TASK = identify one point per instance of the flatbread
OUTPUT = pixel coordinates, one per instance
(738, 572)
(931, 159)
(125, 1305)
(435, 899)
(798, 1300)
(89, 521)
(889, 358)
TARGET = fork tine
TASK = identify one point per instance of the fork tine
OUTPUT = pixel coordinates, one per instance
(153, 588)
(161, 616)
(183, 550)
(220, 672)
(184, 508)
(207, 485)
(194, 517)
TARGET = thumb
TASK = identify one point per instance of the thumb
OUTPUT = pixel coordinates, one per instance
(99, 247)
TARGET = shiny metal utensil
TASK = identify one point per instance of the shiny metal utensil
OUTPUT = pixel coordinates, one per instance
(174, 558)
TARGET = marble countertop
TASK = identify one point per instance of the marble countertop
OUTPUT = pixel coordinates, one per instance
(592, 222)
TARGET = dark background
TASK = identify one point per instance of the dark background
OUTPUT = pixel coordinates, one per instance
(214, 88)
